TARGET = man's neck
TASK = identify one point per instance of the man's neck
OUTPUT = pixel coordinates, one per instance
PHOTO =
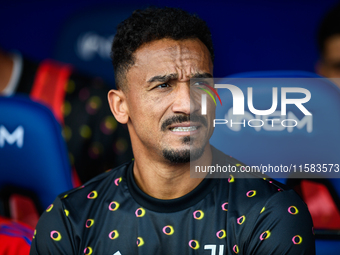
(6, 69)
(163, 180)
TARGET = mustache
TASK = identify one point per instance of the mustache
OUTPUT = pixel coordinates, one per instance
(183, 118)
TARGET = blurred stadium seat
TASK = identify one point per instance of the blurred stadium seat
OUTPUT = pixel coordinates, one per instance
(34, 166)
(314, 140)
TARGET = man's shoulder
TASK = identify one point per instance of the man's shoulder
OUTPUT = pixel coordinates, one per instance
(262, 208)
(252, 191)
(249, 191)
(268, 209)
(103, 183)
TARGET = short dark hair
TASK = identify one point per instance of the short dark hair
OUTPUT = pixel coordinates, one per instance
(152, 24)
(329, 26)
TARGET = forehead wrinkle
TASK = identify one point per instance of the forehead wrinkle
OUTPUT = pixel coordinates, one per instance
(181, 53)
(185, 66)
(178, 57)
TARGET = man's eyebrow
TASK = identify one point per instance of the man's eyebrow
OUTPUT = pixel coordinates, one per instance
(201, 75)
(172, 76)
(163, 78)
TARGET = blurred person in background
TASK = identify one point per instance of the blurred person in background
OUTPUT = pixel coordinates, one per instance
(329, 45)
(95, 140)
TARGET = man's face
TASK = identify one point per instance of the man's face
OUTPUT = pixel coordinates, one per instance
(330, 64)
(162, 122)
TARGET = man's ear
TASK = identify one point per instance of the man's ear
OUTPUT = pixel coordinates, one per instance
(118, 105)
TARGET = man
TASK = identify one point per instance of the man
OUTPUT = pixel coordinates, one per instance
(151, 205)
(95, 141)
(329, 45)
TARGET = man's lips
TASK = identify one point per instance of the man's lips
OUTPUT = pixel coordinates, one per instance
(184, 127)
(183, 121)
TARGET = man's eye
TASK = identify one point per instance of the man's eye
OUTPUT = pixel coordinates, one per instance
(200, 83)
(163, 85)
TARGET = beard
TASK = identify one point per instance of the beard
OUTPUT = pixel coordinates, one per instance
(184, 155)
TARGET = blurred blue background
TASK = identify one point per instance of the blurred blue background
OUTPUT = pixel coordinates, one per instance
(248, 35)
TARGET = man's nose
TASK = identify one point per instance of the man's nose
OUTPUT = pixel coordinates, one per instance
(182, 102)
